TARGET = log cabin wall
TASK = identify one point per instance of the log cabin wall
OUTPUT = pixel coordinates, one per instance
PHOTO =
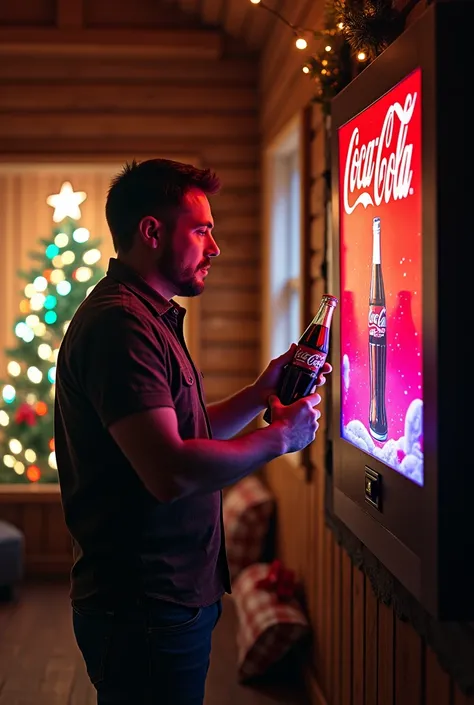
(97, 82)
(190, 94)
(362, 653)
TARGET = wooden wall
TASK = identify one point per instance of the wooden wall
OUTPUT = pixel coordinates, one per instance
(362, 653)
(77, 84)
(36, 510)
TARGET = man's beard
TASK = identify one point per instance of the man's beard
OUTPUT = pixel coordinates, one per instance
(185, 281)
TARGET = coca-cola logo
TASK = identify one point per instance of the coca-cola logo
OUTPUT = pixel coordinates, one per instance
(377, 322)
(378, 318)
(309, 359)
(381, 175)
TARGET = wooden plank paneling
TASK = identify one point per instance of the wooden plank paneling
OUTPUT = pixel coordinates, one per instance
(85, 149)
(320, 589)
(103, 96)
(259, 25)
(239, 275)
(292, 537)
(174, 125)
(346, 639)
(460, 699)
(235, 13)
(281, 59)
(233, 358)
(358, 637)
(36, 510)
(232, 200)
(281, 68)
(125, 105)
(235, 249)
(329, 605)
(137, 14)
(199, 106)
(191, 6)
(237, 301)
(188, 43)
(408, 664)
(371, 645)
(370, 657)
(437, 680)
(211, 11)
(33, 524)
(28, 13)
(120, 69)
(227, 329)
(221, 386)
(386, 641)
(336, 655)
(69, 14)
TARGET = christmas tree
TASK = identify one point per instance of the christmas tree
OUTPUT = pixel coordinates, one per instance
(65, 272)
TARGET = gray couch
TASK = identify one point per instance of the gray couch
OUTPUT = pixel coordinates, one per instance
(11, 559)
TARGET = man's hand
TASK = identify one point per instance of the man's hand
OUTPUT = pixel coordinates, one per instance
(267, 383)
(298, 422)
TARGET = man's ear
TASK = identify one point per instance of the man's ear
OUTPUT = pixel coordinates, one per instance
(150, 230)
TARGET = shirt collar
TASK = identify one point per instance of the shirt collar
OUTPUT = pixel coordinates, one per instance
(128, 277)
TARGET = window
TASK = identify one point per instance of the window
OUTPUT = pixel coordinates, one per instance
(282, 254)
(25, 216)
(284, 242)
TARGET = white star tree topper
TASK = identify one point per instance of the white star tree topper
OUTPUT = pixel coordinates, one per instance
(66, 203)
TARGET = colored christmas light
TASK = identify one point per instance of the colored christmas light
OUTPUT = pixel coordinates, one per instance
(62, 275)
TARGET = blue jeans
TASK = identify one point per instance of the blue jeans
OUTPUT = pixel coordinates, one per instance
(154, 653)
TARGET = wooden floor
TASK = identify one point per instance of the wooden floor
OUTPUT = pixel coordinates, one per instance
(41, 665)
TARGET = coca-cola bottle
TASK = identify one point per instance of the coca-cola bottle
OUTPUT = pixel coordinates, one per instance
(300, 375)
(377, 342)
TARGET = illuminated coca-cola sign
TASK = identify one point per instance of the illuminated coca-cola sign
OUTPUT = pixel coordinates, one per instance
(378, 162)
(380, 252)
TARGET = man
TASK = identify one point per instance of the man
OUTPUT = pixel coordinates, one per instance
(141, 460)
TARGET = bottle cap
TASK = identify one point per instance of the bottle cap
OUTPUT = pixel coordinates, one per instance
(333, 300)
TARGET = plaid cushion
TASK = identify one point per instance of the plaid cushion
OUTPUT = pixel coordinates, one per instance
(247, 509)
(267, 628)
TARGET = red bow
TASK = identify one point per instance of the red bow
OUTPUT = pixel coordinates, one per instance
(25, 414)
(279, 580)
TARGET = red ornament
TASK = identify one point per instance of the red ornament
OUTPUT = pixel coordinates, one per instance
(25, 415)
(279, 580)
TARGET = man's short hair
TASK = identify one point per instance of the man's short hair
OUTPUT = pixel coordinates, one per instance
(155, 187)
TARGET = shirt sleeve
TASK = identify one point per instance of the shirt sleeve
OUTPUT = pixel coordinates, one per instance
(125, 369)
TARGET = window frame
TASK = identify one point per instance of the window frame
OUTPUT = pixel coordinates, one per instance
(294, 137)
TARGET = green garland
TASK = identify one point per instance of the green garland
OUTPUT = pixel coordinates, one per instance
(330, 69)
(356, 32)
(369, 25)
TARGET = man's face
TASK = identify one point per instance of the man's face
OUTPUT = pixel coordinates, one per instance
(185, 257)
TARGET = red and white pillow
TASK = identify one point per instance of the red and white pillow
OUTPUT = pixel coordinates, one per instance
(267, 626)
(247, 510)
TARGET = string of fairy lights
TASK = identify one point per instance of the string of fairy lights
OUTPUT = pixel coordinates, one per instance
(301, 42)
(330, 66)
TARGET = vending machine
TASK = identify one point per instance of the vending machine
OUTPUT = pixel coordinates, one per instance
(402, 184)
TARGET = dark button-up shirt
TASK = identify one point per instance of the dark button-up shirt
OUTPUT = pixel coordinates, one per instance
(124, 352)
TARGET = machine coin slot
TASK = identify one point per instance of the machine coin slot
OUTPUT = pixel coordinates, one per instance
(373, 488)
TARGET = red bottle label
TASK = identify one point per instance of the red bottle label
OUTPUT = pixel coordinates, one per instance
(309, 359)
(377, 321)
